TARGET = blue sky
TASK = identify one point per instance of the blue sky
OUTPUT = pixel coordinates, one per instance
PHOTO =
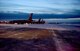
(41, 6)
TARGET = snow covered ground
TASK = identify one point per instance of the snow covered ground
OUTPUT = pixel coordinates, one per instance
(59, 40)
(44, 26)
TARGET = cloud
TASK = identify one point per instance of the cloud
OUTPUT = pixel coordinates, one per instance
(40, 6)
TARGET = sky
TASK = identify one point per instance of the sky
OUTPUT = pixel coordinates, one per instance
(41, 6)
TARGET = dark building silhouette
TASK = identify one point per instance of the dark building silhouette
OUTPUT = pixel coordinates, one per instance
(29, 21)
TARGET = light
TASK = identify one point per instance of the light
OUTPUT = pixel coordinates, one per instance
(15, 23)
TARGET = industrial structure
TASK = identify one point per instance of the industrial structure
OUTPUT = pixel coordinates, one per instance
(29, 21)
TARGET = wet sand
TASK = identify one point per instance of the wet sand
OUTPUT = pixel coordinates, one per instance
(34, 39)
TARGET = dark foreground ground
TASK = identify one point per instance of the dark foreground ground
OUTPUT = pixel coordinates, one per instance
(27, 39)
